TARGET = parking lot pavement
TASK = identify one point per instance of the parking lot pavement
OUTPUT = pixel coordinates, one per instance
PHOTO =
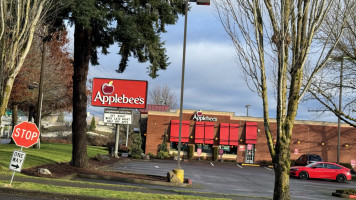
(231, 178)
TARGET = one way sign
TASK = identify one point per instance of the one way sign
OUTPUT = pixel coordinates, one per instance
(17, 160)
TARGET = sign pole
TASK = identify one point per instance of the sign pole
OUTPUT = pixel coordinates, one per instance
(127, 133)
(117, 140)
(12, 177)
(13, 174)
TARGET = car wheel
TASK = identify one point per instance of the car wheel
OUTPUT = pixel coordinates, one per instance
(303, 175)
(341, 178)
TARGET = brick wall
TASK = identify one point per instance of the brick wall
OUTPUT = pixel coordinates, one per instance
(309, 134)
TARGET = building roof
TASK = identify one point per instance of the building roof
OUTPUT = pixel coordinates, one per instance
(151, 107)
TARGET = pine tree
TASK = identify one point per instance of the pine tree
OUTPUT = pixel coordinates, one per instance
(92, 124)
(136, 149)
(134, 25)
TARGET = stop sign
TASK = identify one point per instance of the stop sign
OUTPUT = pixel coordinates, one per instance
(25, 134)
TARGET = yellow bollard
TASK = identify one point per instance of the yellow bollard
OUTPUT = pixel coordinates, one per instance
(179, 173)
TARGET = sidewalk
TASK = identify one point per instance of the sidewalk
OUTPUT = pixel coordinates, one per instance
(115, 186)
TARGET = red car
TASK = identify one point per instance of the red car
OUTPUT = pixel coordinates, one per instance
(323, 170)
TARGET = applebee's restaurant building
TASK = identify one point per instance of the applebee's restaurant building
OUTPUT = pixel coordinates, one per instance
(243, 138)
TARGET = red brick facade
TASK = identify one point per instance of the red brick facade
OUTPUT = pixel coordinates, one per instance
(308, 137)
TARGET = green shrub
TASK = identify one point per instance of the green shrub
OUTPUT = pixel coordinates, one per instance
(190, 151)
(162, 148)
(162, 154)
(151, 155)
(215, 153)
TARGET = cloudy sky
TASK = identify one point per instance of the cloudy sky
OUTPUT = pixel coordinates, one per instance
(213, 80)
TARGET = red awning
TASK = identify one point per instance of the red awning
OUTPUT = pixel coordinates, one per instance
(224, 134)
(209, 133)
(199, 132)
(234, 134)
(185, 131)
(175, 131)
(251, 132)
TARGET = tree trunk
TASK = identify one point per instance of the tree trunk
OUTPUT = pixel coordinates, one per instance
(14, 119)
(281, 171)
(82, 47)
(5, 96)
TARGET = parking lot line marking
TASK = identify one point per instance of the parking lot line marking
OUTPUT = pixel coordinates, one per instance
(239, 165)
(268, 168)
(212, 164)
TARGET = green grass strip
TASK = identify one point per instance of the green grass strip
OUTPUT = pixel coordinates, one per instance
(99, 192)
(47, 154)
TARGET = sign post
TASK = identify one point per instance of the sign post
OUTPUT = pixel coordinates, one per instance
(25, 135)
(221, 153)
(115, 116)
(199, 152)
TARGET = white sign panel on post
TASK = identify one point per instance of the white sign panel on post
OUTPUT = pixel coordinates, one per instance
(114, 116)
(18, 157)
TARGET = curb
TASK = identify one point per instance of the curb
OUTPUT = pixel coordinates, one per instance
(256, 165)
(346, 196)
(130, 180)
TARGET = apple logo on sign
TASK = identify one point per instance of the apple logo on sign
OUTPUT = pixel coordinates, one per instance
(199, 113)
(107, 88)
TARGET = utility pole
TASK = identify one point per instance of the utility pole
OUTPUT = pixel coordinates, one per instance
(40, 90)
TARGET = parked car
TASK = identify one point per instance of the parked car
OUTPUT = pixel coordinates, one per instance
(322, 170)
(306, 159)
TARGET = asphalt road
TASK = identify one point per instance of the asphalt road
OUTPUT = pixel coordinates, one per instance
(230, 178)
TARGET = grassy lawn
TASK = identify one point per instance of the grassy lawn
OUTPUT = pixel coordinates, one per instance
(49, 153)
(98, 192)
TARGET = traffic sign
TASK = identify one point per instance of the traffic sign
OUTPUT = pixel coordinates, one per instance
(25, 134)
(17, 160)
(115, 116)
(353, 163)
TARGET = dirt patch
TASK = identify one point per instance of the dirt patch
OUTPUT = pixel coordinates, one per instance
(61, 170)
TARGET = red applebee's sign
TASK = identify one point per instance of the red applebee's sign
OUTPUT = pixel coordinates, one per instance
(119, 93)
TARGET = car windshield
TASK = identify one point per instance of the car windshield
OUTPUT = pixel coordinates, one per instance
(311, 164)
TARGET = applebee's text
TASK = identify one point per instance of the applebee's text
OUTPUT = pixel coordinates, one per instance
(115, 99)
(204, 118)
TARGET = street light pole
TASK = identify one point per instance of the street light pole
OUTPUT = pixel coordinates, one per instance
(338, 119)
(199, 2)
(182, 83)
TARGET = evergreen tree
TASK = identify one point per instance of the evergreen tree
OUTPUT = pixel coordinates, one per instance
(136, 149)
(92, 124)
(134, 25)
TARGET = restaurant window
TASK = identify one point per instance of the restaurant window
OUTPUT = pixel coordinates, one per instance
(229, 149)
(205, 148)
(174, 146)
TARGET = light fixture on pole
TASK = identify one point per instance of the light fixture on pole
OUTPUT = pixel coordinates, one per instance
(247, 106)
(199, 2)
